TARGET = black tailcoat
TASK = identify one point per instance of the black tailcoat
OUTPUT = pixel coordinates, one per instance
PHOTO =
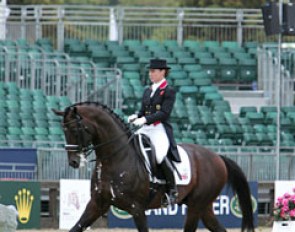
(157, 109)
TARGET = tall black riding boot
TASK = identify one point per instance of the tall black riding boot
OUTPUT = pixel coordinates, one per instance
(172, 193)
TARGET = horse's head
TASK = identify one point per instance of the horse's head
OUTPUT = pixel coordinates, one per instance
(77, 134)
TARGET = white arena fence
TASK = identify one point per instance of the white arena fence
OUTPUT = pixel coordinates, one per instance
(58, 22)
(258, 164)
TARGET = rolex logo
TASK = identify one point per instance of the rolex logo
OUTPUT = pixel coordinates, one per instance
(24, 201)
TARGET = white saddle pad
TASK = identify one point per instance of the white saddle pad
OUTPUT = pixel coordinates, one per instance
(183, 168)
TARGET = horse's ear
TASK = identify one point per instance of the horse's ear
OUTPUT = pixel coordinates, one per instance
(58, 112)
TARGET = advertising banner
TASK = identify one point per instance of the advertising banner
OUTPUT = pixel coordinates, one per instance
(285, 210)
(226, 208)
(74, 196)
(25, 196)
(284, 186)
(18, 163)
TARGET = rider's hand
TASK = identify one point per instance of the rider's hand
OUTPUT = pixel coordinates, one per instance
(139, 121)
(131, 118)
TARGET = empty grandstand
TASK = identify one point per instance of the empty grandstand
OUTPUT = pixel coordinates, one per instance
(224, 71)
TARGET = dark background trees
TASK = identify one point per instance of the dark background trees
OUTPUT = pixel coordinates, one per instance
(173, 3)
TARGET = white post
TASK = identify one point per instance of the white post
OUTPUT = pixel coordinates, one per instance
(113, 28)
(4, 13)
(278, 94)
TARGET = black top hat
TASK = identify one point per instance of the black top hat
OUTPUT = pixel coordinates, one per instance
(158, 64)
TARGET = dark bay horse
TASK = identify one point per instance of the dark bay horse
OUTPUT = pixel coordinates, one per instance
(121, 179)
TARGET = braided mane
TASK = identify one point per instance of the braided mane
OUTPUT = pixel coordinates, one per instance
(106, 109)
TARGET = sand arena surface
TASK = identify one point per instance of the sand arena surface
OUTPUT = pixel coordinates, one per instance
(265, 229)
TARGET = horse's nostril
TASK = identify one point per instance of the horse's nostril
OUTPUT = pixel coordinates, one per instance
(74, 163)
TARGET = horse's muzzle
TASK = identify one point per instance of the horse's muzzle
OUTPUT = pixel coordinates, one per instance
(74, 163)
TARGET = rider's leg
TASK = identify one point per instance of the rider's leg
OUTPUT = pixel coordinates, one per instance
(167, 169)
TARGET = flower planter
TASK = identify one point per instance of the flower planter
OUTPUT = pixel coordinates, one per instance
(283, 226)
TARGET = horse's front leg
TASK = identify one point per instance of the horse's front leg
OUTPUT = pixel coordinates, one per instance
(140, 220)
(92, 212)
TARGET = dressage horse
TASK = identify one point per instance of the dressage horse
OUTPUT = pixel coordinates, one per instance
(121, 179)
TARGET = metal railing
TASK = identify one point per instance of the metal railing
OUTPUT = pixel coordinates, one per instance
(61, 75)
(257, 164)
(14, 171)
(58, 22)
(268, 73)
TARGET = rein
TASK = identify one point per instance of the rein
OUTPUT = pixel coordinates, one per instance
(94, 147)
(87, 149)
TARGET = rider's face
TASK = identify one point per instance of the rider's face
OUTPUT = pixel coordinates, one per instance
(156, 75)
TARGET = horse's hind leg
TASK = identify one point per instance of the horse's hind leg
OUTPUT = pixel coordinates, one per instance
(90, 214)
(210, 221)
(192, 219)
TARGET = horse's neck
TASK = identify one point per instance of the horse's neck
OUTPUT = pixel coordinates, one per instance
(121, 160)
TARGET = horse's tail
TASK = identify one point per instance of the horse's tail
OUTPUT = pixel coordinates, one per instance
(238, 181)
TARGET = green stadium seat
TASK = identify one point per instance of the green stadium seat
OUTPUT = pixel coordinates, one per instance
(245, 109)
(255, 117)
(192, 68)
(267, 109)
(223, 131)
(151, 43)
(202, 55)
(222, 55)
(188, 91)
(187, 134)
(248, 70)
(230, 117)
(202, 142)
(210, 126)
(271, 128)
(260, 128)
(135, 67)
(221, 105)
(170, 44)
(228, 70)
(25, 94)
(264, 139)
(209, 98)
(211, 43)
(214, 50)
(182, 82)
(291, 116)
(230, 44)
(234, 50)
(131, 75)
(287, 136)
(241, 56)
(42, 122)
(287, 109)
(250, 139)
(131, 43)
(287, 125)
(196, 123)
(186, 61)
(191, 43)
(177, 75)
(210, 65)
(250, 44)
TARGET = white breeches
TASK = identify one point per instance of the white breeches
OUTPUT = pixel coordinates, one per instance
(159, 139)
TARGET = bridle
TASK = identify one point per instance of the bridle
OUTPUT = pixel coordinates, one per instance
(85, 147)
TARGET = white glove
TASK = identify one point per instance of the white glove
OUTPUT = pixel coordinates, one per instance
(132, 117)
(139, 121)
